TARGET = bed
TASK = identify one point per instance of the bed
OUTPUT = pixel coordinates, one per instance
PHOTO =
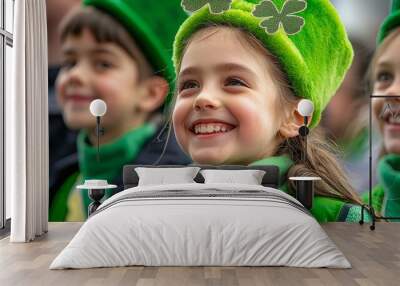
(202, 222)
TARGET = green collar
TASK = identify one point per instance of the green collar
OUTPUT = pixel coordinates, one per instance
(389, 174)
(113, 155)
(283, 162)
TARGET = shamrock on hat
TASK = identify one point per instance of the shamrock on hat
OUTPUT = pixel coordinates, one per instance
(216, 6)
(273, 18)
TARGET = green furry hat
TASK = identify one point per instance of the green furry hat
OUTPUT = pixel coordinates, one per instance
(307, 37)
(152, 24)
(392, 21)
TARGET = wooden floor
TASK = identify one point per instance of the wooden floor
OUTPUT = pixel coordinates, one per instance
(374, 255)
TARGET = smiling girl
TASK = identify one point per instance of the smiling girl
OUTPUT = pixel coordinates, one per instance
(384, 80)
(239, 86)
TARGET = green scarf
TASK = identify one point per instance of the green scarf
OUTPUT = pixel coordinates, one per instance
(325, 209)
(388, 191)
(113, 156)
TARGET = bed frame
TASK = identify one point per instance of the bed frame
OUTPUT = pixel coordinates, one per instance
(130, 178)
(270, 179)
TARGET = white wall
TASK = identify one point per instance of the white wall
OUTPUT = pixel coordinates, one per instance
(362, 18)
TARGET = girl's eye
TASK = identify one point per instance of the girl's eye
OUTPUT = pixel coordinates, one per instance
(235, 82)
(383, 77)
(190, 84)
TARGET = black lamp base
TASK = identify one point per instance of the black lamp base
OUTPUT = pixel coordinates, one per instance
(95, 195)
(305, 193)
(305, 190)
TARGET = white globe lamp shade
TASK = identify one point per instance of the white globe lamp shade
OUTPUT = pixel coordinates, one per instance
(98, 107)
(305, 107)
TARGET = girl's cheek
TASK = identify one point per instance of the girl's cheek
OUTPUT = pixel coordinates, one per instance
(257, 120)
(248, 115)
(181, 110)
(179, 117)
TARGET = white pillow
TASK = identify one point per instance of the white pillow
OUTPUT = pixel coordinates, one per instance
(248, 177)
(162, 176)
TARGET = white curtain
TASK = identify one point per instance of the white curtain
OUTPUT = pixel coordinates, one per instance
(27, 124)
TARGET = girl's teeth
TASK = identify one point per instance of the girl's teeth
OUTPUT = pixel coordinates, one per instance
(210, 128)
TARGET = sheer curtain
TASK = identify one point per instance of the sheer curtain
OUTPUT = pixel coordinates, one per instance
(27, 124)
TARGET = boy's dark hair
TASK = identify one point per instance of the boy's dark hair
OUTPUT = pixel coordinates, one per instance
(105, 29)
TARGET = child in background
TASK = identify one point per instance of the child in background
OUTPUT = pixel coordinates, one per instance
(238, 88)
(345, 119)
(384, 79)
(117, 51)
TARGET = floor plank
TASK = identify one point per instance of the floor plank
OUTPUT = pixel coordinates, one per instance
(374, 255)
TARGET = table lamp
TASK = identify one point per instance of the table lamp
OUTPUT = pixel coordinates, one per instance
(305, 185)
(98, 108)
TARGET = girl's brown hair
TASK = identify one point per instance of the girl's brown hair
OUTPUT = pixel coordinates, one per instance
(105, 30)
(322, 158)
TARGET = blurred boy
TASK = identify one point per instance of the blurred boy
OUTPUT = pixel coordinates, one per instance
(117, 51)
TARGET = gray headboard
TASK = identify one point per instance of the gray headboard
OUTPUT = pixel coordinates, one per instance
(270, 179)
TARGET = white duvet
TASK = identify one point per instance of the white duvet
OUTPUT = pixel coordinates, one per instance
(201, 224)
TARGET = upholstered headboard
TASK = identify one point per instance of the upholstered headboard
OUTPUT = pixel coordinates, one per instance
(270, 179)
